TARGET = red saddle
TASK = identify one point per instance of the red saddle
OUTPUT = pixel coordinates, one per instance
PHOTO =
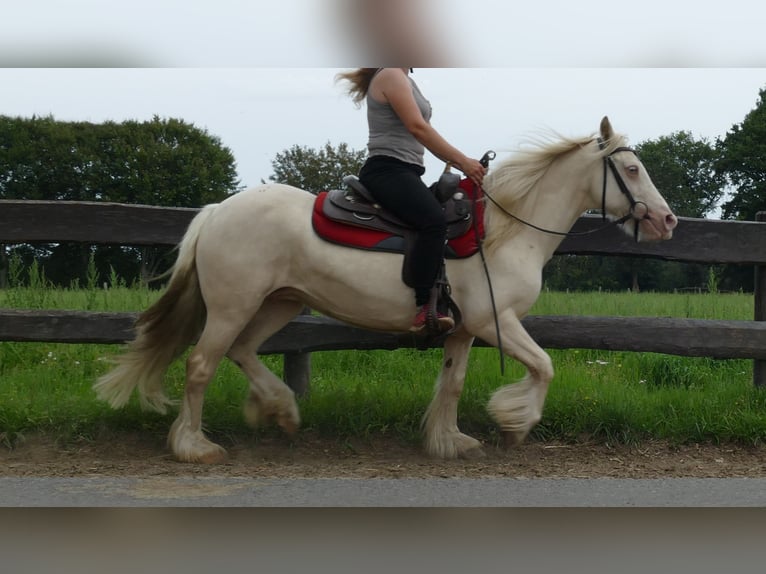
(351, 218)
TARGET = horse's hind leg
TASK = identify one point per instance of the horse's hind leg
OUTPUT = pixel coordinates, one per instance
(443, 439)
(186, 439)
(268, 397)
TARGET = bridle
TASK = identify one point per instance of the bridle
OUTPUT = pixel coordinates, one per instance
(608, 165)
(608, 161)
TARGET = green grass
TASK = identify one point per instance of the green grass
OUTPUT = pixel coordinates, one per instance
(737, 306)
(596, 395)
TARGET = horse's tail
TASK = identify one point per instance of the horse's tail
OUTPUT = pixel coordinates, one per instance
(163, 332)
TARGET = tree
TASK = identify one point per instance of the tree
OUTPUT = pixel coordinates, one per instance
(683, 170)
(743, 161)
(316, 170)
(159, 162)
(163, 162)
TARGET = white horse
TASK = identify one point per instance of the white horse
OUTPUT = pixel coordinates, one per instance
(250, 264)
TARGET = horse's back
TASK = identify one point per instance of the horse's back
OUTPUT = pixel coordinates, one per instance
(269, 196)
(254, 210)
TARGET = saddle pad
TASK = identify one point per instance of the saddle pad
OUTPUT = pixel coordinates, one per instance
(373, 240)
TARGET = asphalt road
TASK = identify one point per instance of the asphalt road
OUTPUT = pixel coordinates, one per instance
(366, 493)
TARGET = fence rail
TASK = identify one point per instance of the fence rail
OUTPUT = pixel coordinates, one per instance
(305, 334)
(695, 240)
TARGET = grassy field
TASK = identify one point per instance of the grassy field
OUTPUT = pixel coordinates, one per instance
(596, 395)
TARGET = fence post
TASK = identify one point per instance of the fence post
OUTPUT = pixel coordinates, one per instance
(759, 296)
(297, 368)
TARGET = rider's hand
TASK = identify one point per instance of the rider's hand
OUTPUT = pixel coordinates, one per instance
(473, 169)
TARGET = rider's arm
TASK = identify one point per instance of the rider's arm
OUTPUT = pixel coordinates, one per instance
(394, 86)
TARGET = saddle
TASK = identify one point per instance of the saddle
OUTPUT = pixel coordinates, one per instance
(356, 206)
(353, 218)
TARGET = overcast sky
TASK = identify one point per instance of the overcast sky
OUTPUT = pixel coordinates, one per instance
(260, 76)
(258, 112)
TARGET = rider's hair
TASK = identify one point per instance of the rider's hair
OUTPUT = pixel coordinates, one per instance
(359, 81)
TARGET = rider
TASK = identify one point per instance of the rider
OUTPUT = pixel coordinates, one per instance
(398, 117)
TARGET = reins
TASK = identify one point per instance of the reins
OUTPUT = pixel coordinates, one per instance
(490, 155)
(620, 221)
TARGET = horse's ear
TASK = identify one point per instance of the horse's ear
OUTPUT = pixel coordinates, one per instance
(606, 129)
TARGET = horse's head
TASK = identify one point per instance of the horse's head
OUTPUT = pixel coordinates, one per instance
(628, 194)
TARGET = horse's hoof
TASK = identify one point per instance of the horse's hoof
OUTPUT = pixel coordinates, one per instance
(206, 453)
(468, 448)
(217, 456)
(513, 439)
(289, 425)
(474, 453)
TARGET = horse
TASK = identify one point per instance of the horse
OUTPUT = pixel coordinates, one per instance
(250, 264)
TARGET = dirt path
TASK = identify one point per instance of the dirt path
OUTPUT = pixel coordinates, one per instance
(312, 457)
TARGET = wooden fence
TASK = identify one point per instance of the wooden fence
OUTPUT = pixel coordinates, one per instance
(695, 240)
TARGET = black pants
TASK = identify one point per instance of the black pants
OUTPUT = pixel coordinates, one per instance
(398, 187)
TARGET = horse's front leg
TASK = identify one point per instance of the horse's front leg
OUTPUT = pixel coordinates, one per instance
(518, 407)
(443, 439)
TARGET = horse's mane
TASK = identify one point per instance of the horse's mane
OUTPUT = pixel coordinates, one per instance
(512, 182)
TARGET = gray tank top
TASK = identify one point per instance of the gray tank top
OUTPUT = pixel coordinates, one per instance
(388, 136)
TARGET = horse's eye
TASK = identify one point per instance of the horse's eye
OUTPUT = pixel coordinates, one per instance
(633, 169)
